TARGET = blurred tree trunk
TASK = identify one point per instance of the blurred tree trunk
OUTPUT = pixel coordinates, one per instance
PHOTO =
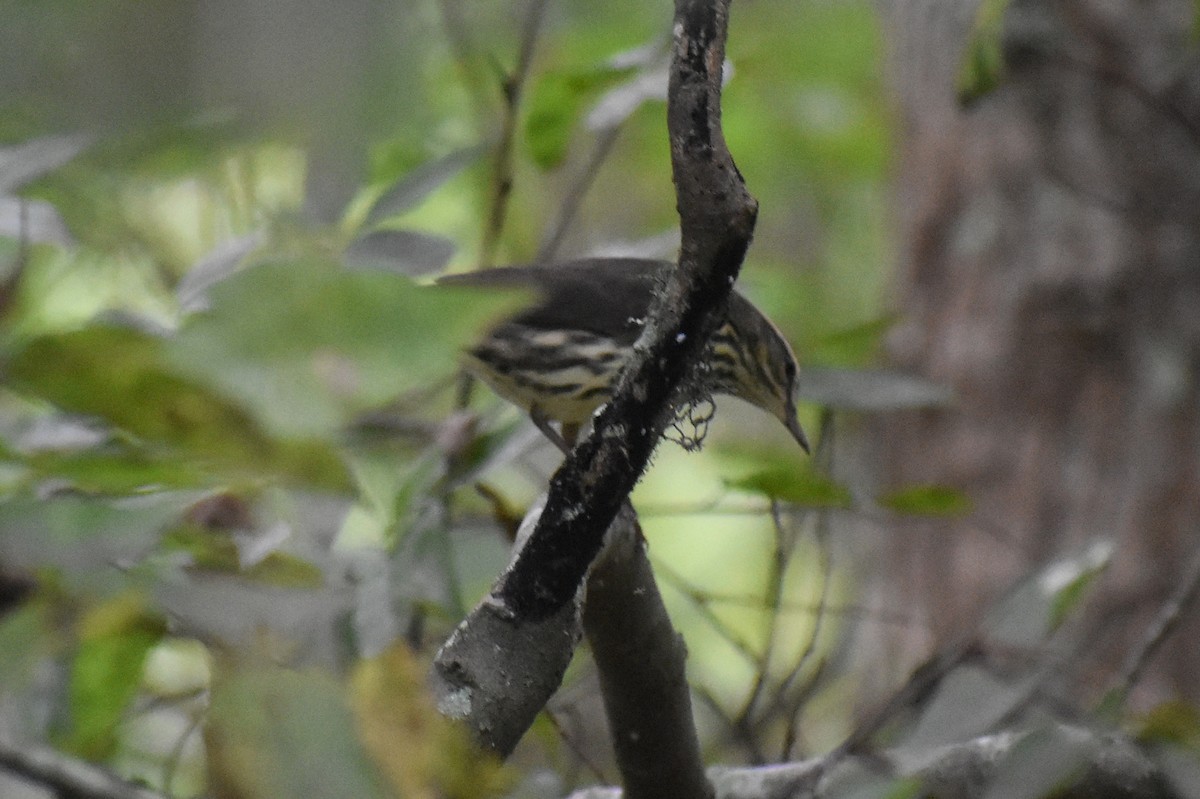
(1049, 271)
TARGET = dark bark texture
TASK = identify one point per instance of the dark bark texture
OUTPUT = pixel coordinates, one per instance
(532, 603)
(1050, 274)
(641, 662)
(717, 217)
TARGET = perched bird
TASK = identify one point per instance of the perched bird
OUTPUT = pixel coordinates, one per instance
(559, 357)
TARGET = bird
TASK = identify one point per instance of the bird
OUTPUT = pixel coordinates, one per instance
(558, 358)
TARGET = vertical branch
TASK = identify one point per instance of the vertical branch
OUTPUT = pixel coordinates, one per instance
(716, 212)
(502, 176)
(455, 28)
(574, 199)
(640, 659)
(791, 693)
(773, 605)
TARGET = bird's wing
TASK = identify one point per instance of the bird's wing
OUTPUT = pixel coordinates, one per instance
(608, 296)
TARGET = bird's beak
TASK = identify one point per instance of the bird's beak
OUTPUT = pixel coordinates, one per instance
(793, 426)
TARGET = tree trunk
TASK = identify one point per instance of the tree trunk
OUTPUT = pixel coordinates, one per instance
(1049, 273)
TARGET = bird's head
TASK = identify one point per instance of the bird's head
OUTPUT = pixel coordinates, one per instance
(753, 361)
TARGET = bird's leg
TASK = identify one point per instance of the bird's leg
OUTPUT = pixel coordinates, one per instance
(542, 422)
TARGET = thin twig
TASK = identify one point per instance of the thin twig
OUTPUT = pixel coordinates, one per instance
(736, 734)
(789, 683)
(171, 765)
(920, 686)
(700, 601)
(576, 749)
(66, 775)
(513, 88)
(463, 50)
(810, 646)
(1164, 623)
(800, 697)
(570, 204)
(773, 600)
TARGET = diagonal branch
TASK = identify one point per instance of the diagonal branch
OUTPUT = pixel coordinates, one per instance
(68, 775)
(717, 217)
(640, 660)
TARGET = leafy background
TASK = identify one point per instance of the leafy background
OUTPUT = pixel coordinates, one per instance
(234, 475)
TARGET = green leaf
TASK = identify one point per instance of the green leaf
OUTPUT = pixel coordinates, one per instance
(485, 451)
(273, 733)
(421, 181)
(1048, 760)
(83, 536)
(29, 160)
(852, 345)
(982, 68)
(1173, 721)
(905, 788)
(968, 702)
(555, 105)
(25, 635)
(795, 486)
(120, 375)
(107, 671)
(927, 500)
(1042, 601)
(405, 252)
(216, 551)
(1067, 582)
(116, 469)
(306, 346)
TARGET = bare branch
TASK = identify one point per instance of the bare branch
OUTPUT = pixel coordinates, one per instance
(502, 175)
(1165, 622)
(774, 598)
(641, 659)
(570, 204)
(495, 675)
(702, 601)
(537, 594)
(794, 702)
(717, 217)
(67, 775)
(1107, 765)
(577, 749)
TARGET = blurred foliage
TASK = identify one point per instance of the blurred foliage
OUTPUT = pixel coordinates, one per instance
(982, 67)
(1174, 722)
(420, 752)
(556, 107)
(114, 639)
(927, 500)
(304, 744)
(119, 375)
(804, 488)
(227, 409)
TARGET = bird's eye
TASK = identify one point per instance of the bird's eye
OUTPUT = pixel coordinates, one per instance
(789, 369)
